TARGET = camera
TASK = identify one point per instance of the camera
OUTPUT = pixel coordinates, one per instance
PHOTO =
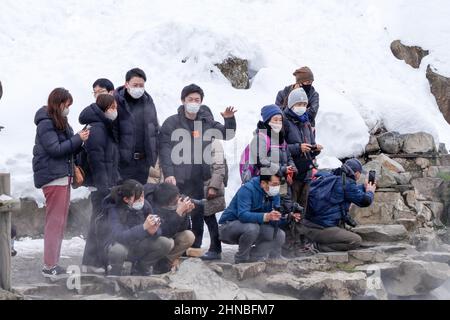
(314, 147)
(350, 221)
(156, 218)
(196, 202)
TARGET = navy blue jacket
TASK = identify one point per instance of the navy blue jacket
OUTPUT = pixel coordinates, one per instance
(337, 212)
(126, 132)
(297, 133)
(250, 204)
(54, 150)
(101, 147)
(127, 225)
(182, 172)
(313, 104)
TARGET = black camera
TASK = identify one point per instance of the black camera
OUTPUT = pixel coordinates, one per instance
(314, 147)
(196, 202)
(350, 221)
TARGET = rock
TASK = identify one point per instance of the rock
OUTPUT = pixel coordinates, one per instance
(305, 265)
(444, 160)
(254, 294)
(133, 285)
(413, 278)
(79, 217)
(216, 268)
(440, 88)
(320, 285)
(442, 148)
(403, 178)
(420, 142)
(390, 142)
(390, 164)
(438, 172)
(168, 294)
(409, 224)
(410, 197)
(423, 163)
(236, 71)
(387, 207)
(195, 275)
(382, 233)
(427, 188)
(101, 297)
(335, 257)
(373, 146)
(8, 296)
(411, 55)
(245, 271)
(442, 257)
(429, 211)
(366, 255)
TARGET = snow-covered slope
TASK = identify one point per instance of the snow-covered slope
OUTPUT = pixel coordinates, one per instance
(50, 43)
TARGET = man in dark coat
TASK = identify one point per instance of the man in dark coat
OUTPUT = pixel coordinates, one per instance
(304, 79)
(137, 128)
(187, 134)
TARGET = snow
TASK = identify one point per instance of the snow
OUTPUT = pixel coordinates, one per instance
(30, 248)
(71, 43)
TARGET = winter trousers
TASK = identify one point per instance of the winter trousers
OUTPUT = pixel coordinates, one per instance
(332, 239)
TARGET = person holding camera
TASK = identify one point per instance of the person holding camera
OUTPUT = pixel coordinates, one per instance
(53, 166)
(252, 218)
(328, 207)
(174, 210)
(133, 232)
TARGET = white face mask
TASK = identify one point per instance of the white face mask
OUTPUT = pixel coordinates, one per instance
(136, 93)
(274, 191)
(111, 115)
(276, 127)
(192, 107)
(65, 112)
(138, 205)
(299, 110)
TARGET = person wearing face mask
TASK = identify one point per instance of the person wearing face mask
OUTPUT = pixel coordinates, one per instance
(137, 127)
(128, 230)
(250, 220)
(329, 203)
(53, 166)
(103, 161)
(192, 129)
(301, 143)
(304, 79)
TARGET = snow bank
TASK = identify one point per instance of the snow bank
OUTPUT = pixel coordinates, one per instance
(52, 43)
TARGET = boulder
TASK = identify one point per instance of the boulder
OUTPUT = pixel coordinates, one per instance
(373, 146)
(236, 71)
(382, 233)
(134, 285)
(390, 142)
(411, 55)
(403, 178)
(168, 294)
(430, 211)
(440, 88)
(195, 275)
(79, 217)
(9, 296)
(335, 257)
(305, 265)
(410, 224)
(410, 197)
(423, 163)
(442, 148)
(414, 278)
(320, 285)
(386, 207)
(420, 142)
(438, 172)
(249, 270)
(444, 160)
(390, 164)
(254, 294)
(367, 255)
(427, 189)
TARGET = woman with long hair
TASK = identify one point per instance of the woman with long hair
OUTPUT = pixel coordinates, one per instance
(53, 167)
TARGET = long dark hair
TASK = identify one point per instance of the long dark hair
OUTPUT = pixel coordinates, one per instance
(57, 97)
(127, 189)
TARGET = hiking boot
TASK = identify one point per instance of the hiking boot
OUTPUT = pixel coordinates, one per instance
(211, 255)
(141, 270)
(194, 252)
(54, 272)
(162, 266)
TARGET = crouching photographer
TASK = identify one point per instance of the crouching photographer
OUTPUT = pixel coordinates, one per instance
(173, 210)
(330, 198)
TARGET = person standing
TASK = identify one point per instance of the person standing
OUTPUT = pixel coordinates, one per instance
(137, 128)
(53, 167)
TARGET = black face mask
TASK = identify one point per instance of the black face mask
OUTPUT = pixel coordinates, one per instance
(307, 88)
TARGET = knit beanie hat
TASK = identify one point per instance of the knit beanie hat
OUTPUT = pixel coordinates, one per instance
(355, 165)
(269, 111)
(297, 96)
(304, 74)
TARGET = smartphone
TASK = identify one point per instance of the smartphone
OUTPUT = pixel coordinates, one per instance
(372, 176)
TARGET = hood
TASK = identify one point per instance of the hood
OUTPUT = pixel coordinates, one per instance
(42, 114)
(255, 183)
(347, 170)
(93, 114)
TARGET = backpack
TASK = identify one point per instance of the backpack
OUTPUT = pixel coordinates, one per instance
(249, 170)
(321, 196)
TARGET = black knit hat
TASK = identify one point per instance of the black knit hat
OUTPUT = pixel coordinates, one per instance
(192, 88)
